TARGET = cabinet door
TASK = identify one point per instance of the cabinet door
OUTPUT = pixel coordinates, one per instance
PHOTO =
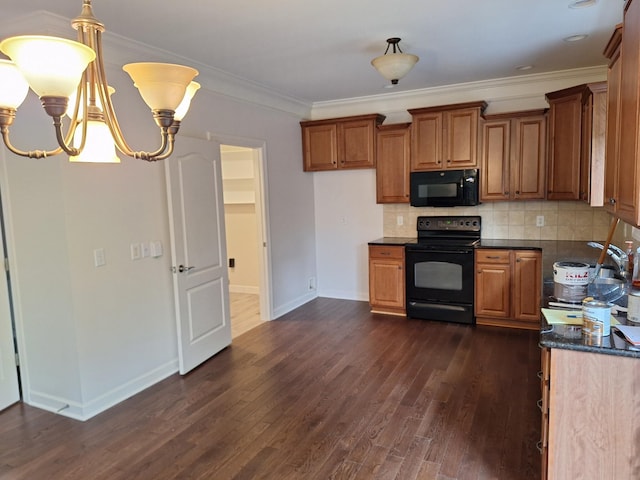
(613, 124)
(527, 285)
(392, 164)
(461, 138)
(564, 148)
(320, 147)
(529, 158)
(594, 121)
(386, 279)
(426, 141)
(356, 144)
(630, 83)
(493, 283)
(496, 156)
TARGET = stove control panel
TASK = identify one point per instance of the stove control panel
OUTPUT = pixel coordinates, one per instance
(452, 223)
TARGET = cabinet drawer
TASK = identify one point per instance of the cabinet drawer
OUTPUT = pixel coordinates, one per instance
(383, 251)
(492, 256)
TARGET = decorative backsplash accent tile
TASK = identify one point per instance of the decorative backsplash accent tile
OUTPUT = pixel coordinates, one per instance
(512, 220)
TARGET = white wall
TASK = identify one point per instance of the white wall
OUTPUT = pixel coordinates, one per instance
(347, 217)
(90, 337)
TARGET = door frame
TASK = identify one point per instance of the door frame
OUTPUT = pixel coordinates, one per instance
(259, 157)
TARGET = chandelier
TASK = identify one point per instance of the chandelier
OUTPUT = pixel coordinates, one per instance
(70, 79)
(395, 65)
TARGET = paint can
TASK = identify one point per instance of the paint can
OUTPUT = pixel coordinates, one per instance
(596, 318)
(633, 308)
(570, 281)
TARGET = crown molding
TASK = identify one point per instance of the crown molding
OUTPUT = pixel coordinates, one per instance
(502, 94)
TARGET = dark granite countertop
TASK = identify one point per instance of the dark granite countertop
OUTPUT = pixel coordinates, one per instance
(397, 241)
(570, 337)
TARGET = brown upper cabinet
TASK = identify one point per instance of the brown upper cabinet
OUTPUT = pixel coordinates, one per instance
(627, 199)
(340, 143)
(577, 120)
(612, 52)
(514, 156)
(592, 151)
(565, 127)
(445, 137)
(393, 145)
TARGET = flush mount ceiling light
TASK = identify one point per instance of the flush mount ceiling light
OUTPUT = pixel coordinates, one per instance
(57, 69)
(395, 65)
(575, 38)
(582, 3)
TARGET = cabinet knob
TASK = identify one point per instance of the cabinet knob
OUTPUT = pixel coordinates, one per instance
(612, 201)
(517, 192)
(506, 193)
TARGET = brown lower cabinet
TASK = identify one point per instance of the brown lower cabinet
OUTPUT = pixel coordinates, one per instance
(386, 279)
(508, 287)
(590, 415)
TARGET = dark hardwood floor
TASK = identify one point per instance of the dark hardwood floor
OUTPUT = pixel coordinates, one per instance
(327, 391)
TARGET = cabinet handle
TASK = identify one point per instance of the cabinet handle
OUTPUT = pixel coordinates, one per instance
(494, 257)
(539, 446)
(539, 403)
(385, 253)
(518, 260)
(539, 374)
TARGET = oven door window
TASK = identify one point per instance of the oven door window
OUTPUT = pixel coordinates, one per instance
(438, 275)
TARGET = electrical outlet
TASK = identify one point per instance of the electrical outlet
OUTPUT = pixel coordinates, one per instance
(540, 221)
(312, 283)
(400, 220)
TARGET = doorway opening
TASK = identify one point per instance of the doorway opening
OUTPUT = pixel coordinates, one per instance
(246, 235)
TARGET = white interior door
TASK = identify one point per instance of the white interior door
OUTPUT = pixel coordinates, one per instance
(9, 390)
(198, 249)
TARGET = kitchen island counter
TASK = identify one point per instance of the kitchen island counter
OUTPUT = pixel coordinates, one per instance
(570, 337)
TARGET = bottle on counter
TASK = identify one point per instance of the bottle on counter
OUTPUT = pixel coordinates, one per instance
(630, 257)
(635, 282)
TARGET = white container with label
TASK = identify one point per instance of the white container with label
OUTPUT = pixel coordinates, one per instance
(571, 280)
(633, 308)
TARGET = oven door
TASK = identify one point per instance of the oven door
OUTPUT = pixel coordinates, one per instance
(440, 284)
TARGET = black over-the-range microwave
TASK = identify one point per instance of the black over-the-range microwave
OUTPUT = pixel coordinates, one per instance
(445, 188)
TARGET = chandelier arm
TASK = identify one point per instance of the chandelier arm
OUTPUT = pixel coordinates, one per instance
(110, 114)
(167, 138)
(71, 151)
(30, 154)
(103, 92)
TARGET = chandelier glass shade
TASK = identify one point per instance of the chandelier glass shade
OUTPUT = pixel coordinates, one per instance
(69, 77)
(395, 65)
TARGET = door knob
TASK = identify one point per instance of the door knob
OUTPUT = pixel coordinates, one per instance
(182, 269)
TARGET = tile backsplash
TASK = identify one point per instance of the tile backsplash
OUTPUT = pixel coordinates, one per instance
(512, 220)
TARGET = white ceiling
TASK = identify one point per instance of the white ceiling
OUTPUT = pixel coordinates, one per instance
(317, 51)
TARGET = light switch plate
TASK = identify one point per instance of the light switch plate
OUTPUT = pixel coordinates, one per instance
(98, 257)
(156, 249)
(135, 251)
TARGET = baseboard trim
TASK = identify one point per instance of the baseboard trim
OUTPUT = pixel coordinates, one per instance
(84, 411)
